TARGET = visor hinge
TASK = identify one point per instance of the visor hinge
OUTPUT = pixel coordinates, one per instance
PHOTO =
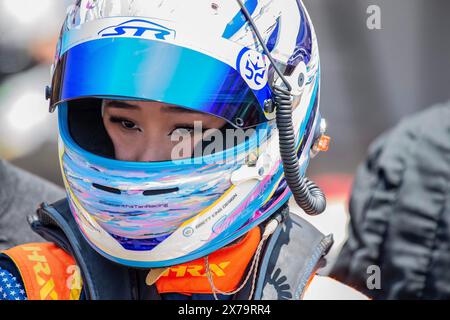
(48, 96)
(48, 92)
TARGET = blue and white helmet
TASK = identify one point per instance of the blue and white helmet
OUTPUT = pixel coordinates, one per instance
(202, 55)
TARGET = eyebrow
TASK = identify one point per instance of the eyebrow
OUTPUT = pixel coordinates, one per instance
(121, 105)
(176, 109)
(165, 108)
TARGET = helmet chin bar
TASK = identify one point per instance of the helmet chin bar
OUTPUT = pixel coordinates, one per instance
(306, 193)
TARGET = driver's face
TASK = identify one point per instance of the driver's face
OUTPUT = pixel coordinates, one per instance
(141, 130)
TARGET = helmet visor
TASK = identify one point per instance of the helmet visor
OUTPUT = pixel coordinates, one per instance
(141, 69)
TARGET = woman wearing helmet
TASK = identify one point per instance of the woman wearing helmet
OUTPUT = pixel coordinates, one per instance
(184, 129)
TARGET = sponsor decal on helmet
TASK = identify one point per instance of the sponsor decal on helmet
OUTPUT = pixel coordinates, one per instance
(139, 28)
(253, 68)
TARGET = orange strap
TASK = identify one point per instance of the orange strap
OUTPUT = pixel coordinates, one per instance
(48, 272)
(227, 267)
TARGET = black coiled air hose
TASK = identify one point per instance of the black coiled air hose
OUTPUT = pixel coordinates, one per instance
(306, 193)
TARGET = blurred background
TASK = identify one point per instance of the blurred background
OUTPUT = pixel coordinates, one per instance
(28, 35)
(370, 80)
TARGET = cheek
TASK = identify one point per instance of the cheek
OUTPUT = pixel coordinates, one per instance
(123, 151)
(183, 147)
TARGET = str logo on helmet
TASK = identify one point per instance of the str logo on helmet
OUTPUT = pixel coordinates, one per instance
(139, 28)
(253, 68)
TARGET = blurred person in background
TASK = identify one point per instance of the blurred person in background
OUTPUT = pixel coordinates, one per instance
(373, 78)
(20, 194)
(27, 41)
(399, 235)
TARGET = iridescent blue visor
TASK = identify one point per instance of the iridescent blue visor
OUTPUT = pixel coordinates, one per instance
(140, 69)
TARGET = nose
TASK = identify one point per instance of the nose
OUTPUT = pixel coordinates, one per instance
(153, 151)
(153, 148)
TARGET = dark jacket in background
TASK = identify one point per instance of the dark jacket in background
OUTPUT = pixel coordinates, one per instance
(400, 212)
(20, 195)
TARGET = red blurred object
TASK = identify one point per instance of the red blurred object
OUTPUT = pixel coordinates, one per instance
(336, 186)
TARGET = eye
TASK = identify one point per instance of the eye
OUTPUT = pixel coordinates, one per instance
(182, 130)
(129, 125)
(125, 123)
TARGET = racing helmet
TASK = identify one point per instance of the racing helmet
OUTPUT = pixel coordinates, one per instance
(253, 63)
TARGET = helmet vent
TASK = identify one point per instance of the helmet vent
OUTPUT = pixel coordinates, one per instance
(107, 189)
(160, 191)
